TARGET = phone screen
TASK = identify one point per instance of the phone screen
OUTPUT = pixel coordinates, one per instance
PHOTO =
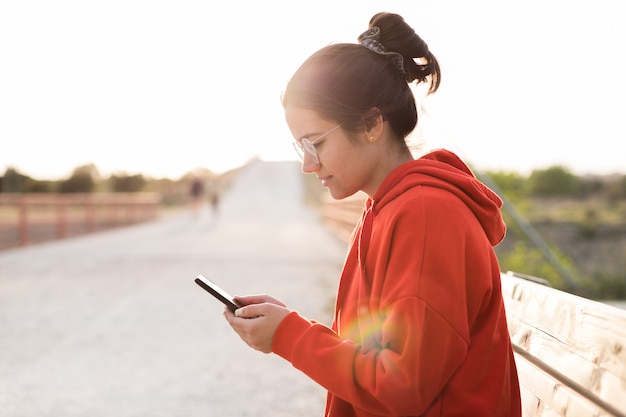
(217, 292)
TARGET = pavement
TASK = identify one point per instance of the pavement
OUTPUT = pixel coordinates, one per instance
(112, 324)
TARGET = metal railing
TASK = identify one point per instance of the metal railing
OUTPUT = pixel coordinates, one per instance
(32, 218)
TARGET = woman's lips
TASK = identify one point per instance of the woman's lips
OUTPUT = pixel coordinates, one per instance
(325, 180)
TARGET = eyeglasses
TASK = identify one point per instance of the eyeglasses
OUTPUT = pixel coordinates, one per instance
(308, 146)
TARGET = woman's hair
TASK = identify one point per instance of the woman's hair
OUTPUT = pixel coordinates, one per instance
(347, 82)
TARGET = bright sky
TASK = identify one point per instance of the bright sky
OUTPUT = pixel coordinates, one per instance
(161, 87)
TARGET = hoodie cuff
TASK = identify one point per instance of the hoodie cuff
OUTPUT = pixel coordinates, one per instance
(289, 330)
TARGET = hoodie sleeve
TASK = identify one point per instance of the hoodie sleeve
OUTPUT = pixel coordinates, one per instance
(413, 334)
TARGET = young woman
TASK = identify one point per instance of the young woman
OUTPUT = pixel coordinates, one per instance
(419, 326)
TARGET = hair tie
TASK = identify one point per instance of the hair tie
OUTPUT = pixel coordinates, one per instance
(369, 39)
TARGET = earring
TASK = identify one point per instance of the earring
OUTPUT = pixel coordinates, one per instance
(372, 139)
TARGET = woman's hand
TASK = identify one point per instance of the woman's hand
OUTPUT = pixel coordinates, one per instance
(257, 320)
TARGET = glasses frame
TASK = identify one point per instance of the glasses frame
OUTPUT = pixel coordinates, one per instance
(308, 146)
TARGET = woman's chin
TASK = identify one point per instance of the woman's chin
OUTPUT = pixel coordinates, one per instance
(339, 194)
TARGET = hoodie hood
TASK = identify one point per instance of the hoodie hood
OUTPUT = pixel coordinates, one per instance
(443, 169)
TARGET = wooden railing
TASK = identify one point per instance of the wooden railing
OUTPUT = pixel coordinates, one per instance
(570, 352)
(32, 218)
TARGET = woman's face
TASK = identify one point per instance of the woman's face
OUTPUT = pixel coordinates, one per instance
(346, 165)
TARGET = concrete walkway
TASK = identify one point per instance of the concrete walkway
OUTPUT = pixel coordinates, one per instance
(112, 324)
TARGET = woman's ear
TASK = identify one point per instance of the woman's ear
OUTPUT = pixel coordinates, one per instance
(373, 119)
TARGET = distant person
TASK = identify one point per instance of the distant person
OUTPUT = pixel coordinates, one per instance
(419, 326)
(196, 191)
(214, 200)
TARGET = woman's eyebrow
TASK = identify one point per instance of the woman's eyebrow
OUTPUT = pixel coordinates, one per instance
(315, 133)
(308, 136)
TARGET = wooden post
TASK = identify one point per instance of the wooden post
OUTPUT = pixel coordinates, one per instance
(130, 211)
(90, 214)
(23, 221)
(61, 217)
(113, 206)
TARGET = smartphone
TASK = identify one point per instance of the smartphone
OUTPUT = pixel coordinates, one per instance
(217, 292)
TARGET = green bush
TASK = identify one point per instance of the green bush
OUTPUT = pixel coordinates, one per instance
(511, 184)
(530, 261)
(555, 181)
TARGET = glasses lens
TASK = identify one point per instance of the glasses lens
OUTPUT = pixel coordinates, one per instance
(306, 147)
(309, 148)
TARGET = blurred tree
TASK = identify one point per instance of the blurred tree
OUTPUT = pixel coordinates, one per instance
(123, 183)
(12, 181)
(590, 186)
(555, 181)
(617, 189)
(35, 186)
(82, 180)
(512, 184)
(172, 192)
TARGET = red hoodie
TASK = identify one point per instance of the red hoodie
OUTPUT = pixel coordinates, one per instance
(420, 327)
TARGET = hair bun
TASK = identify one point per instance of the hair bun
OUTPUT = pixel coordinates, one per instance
(396, 36)
(369, 39)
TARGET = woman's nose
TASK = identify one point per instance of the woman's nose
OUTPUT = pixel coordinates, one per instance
(309, 165)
